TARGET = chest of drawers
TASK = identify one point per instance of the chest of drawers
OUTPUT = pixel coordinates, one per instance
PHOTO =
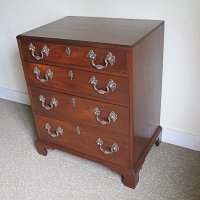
(95, 88)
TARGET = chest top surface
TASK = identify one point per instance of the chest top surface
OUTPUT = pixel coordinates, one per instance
(123, 32)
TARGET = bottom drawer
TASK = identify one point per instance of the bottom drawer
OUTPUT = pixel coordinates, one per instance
(84, 139)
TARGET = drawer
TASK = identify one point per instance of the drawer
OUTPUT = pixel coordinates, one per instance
(71, 108)
(93, 58)
(84, 139)
(113, 89)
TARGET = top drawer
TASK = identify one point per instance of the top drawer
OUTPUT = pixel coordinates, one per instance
(94, 58)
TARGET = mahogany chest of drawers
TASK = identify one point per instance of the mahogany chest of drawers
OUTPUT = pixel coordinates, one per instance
(95, 88)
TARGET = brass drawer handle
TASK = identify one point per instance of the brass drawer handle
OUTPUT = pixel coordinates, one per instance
(48, 75)
(114, 147)
(59, 130)
(44, 51)
(53, 103)
(112, 117)
(110, 59)
(111, 85)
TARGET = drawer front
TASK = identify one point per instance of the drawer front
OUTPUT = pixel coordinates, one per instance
(93, 58)
(113, 89)
(84, 139)
(71, 108)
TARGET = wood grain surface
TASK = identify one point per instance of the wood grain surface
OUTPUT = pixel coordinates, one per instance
(79, 85)
(82, 111)
(85, 142)
(78, 55)
(119, 32)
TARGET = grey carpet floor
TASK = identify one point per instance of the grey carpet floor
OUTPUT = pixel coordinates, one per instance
(169, 172)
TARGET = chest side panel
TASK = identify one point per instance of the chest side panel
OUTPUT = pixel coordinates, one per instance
(147, 82)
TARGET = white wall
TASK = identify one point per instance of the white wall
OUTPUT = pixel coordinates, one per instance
(181, 82)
